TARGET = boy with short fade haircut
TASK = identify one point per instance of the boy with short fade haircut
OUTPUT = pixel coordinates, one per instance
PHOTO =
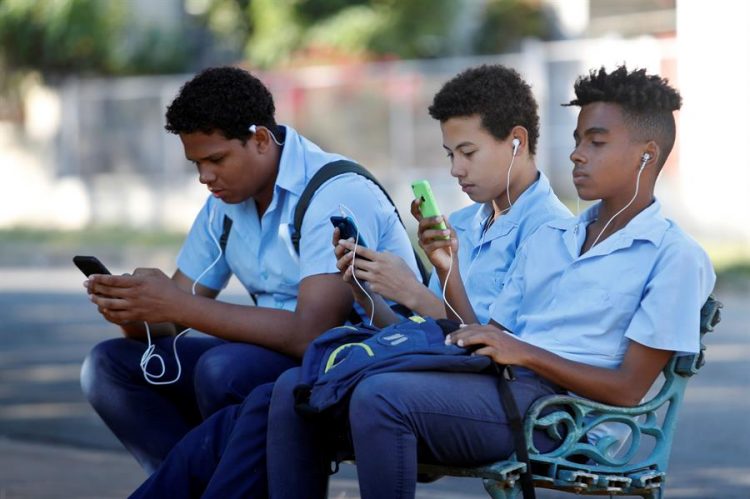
(595, 305)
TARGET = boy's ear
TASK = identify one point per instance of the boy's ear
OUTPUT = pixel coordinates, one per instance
(521, 135)
(651, 154)
(260, 139)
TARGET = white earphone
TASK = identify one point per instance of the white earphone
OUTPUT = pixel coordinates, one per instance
(253, 129)
(644, 159)
(516, 143)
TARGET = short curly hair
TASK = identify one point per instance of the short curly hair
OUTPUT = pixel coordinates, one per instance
(497, 94)
(648, 102)
(224, 99)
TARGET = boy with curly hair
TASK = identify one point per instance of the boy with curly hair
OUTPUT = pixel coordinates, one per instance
(256, 171)
(490, 128)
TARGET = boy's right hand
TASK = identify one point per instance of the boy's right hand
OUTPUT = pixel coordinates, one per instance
(343, 263)
(433, 241)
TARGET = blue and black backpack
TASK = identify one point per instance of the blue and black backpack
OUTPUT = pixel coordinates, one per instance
(340, 358)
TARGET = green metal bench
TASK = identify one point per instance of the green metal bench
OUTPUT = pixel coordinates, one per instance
(579, 467)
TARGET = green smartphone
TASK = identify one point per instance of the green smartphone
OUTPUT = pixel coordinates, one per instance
(428, 207)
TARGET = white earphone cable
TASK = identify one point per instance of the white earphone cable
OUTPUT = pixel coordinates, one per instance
(253, 128)
(637, 186)
(149, 354)
(354, 257)
(445, 286)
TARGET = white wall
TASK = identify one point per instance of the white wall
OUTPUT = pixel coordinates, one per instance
(713, 42)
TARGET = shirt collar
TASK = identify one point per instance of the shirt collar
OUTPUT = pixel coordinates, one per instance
(535, 193)
(648, 225)
(292, 159)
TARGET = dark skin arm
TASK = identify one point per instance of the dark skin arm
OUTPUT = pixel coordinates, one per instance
(625, 385)
(136, 330)
(323, 302)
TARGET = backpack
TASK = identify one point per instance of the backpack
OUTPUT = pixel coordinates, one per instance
(341, 357)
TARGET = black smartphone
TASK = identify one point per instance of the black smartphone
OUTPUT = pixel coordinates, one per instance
(90, 265)
(347, 229)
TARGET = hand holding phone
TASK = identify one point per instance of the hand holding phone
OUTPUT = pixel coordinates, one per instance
(347, 229)
(90, 265)
(428, 205)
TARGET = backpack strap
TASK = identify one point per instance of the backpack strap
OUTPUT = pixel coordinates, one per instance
(225, 230)
(327, 172)
(516, 426)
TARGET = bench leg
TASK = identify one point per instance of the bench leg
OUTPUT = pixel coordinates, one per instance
(500, 490)
(653, 493)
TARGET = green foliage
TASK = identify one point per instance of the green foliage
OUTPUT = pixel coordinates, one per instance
(349, 31)
(229, 21)
(415, 29)
(276, 32)
(405, 29)
(310, 12)
(61, 37)
(505, 22)
(58, 36)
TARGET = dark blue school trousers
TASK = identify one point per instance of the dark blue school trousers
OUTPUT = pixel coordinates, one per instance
(397, 420)
(149, 420)
(223, 458)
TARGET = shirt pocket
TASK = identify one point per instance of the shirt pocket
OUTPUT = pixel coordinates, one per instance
(597, 320)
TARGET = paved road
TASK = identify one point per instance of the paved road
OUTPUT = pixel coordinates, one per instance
(53, 445)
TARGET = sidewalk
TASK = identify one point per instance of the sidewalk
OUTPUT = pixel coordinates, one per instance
(44, 471)
(52, 445)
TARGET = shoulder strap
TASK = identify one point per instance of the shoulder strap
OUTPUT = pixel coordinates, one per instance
(225, 230)
(516, 426)
(327, 172)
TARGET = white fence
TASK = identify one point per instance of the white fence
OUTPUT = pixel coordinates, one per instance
(110, 140)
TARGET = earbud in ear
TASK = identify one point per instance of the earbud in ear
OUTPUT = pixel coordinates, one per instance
(516, 143)
(251, 129)
(644, 159)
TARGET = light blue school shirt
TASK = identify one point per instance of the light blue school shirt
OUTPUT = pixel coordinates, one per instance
(259, 251)
(646, 283)
(484, 256)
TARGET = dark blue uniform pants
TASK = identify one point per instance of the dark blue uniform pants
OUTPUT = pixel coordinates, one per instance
(397, 420)
(149, 420)
(223, 458)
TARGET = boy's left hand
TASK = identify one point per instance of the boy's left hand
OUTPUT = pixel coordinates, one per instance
(498, 344)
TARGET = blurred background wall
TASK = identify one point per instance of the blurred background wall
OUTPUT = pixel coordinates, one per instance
(85, 83)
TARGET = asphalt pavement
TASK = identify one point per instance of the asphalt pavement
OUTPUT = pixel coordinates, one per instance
(52, 444)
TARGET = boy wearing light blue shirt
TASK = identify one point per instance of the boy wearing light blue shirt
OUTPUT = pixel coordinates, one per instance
(595, 305)
(149, 389)
(492, 150)
(486, 251)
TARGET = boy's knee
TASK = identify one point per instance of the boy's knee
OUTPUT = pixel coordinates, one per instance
(100, 361)
(377, 396)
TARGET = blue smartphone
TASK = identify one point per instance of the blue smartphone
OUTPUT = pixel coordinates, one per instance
(347, 229)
